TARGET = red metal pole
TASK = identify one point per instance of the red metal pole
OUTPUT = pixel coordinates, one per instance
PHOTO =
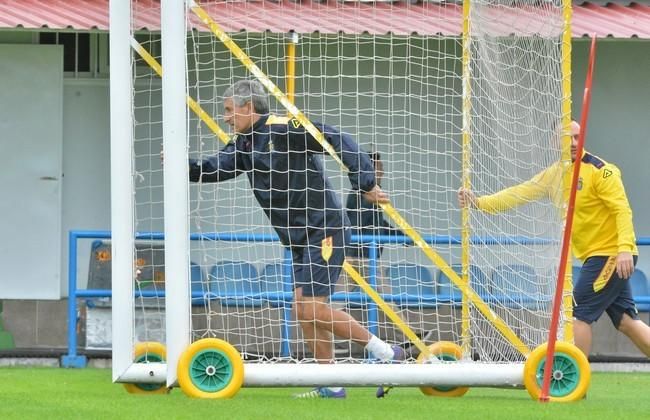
(566, 239)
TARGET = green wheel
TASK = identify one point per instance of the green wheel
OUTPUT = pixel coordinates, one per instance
(210, 368)
(570, 377)
(148, 352)
(448, 352)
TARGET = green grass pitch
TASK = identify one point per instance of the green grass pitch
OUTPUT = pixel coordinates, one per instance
(50, 393)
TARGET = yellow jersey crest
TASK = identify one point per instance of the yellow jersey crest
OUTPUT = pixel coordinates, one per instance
(327, 248)
(295, 123)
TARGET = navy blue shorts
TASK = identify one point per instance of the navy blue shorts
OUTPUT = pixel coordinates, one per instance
(317, 266)
(599, 289)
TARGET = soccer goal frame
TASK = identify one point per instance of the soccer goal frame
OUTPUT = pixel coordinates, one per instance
(177, 233)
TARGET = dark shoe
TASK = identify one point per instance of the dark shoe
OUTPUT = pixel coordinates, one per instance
(382, 391)
(399, 355)
(321, 392)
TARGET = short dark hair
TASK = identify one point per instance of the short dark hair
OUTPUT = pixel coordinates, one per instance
(375, 157)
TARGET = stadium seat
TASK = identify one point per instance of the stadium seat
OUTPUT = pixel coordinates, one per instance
(478, 281)
(640, 287)
(516, 285)
(272, 279)
(233, 279)
(411, 281)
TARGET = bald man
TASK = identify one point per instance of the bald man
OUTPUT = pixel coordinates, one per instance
(602, 238)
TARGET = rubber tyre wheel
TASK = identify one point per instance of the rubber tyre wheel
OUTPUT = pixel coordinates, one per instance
(449, 352)
(210, 368)
(149, 351)
(571, 373)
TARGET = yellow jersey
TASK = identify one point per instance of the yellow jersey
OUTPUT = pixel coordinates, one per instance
(602, 222)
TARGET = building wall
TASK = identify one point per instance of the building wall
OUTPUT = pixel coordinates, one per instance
(86, 166)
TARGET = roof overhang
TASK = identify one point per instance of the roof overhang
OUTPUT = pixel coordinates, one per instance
(615, 20)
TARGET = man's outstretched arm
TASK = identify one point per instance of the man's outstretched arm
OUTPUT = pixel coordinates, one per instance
(220, 167)
(361, 171)
(532, 190)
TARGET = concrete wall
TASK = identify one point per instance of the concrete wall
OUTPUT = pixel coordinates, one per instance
(618, 132)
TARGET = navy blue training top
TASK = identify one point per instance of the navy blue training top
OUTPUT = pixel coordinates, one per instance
(285, 170)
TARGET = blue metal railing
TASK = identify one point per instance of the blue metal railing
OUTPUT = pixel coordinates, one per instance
(281, 299)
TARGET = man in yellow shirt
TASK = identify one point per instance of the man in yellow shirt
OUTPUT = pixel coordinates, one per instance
(602, 237)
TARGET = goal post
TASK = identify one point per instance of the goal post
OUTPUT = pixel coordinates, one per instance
(477, 107)
(123, 228)
(176, 219)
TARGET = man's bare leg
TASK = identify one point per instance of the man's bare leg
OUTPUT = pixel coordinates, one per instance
(637, 331)
(319, 321)
(582, 336)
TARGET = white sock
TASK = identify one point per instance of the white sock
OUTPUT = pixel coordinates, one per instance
(380, 349)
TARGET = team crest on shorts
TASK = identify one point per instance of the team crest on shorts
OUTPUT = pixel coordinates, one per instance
(327, 248)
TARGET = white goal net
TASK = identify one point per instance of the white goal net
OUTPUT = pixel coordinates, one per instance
(440, 107)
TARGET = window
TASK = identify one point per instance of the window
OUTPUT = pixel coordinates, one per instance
(76, 49)
(85, 54)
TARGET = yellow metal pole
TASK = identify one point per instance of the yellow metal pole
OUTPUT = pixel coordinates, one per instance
(467, 180)
(567, 301)
(499, 324)
(290, 76)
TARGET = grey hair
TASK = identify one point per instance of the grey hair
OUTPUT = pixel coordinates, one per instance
(246, 91)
